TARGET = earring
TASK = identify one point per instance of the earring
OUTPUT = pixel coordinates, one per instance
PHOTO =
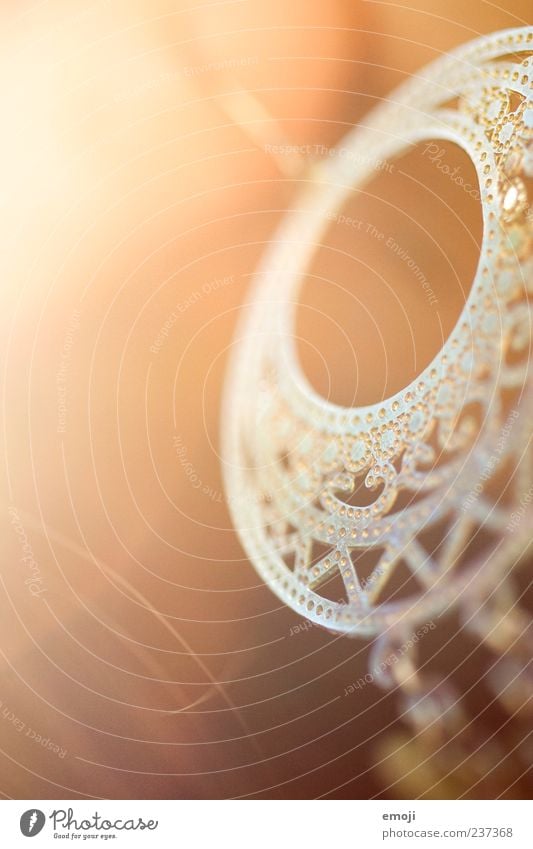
(292, 460)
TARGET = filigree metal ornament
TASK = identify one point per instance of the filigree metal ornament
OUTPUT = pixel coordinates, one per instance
(292, 460)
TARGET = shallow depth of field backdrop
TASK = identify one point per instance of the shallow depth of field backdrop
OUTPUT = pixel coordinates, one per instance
(148, 150)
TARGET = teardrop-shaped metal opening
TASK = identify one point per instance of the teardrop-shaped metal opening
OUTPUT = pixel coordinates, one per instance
(391, 276)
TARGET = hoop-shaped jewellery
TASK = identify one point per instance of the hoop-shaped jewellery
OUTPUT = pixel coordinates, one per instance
(292, 459)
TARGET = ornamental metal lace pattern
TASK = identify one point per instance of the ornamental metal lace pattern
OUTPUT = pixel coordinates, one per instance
(434, 454)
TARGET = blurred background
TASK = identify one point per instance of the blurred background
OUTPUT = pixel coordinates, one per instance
(148, 151)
